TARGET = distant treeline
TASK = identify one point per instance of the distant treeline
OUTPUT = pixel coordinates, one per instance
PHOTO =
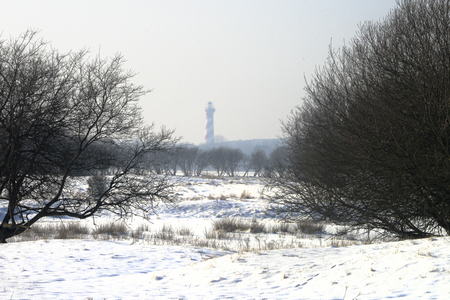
(224, 161)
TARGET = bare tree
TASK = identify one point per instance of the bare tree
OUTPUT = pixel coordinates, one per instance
(233, 158)
(258, 161)
(218, 160)
(187, 156)
(173, 163)
(201, 162)
(277, 165)
(159, 162)
(57, 111)
(370, 147)
(246, 164)
(225, 160)
(218, 139)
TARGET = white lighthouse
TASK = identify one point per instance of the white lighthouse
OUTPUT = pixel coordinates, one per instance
(209, 128)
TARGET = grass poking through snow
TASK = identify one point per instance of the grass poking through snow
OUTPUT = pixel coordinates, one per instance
(237, 234)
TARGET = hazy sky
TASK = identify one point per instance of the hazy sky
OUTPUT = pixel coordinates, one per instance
(249, 58)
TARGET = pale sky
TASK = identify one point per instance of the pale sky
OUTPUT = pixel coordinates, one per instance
(249, 58)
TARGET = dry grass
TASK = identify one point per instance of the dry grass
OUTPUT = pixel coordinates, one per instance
(235, 234)
(68, 230)
(280, 228)
(335, 242)
(165, 233)
(238, 225)
(140, 230)
(309, 227)
(246, 195)
(115, 229)
(208, 175)
(185, 231)
(211, 234)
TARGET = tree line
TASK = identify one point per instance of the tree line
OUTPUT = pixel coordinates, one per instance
(108, 156)
(191, 160)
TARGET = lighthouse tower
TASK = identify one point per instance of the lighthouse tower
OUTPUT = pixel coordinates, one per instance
(209, 129)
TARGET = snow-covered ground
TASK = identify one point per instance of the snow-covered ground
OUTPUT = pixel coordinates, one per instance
(138, 269)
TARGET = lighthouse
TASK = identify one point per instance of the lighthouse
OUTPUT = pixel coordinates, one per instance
(209, 128)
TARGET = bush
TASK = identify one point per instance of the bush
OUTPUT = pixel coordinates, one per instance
(370, 146)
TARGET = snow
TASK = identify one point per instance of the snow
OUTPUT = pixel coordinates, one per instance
(136, 269)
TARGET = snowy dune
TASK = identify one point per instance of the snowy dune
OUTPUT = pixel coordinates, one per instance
(88, 269)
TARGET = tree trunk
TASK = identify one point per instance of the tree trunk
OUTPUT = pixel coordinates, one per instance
(5, 233)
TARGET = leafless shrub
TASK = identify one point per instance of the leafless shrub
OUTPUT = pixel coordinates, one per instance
(369, 146)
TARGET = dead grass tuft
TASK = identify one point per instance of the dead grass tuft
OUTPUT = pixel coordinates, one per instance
(238, 225)
(112, 228)
(309, 227)
(246, 195)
